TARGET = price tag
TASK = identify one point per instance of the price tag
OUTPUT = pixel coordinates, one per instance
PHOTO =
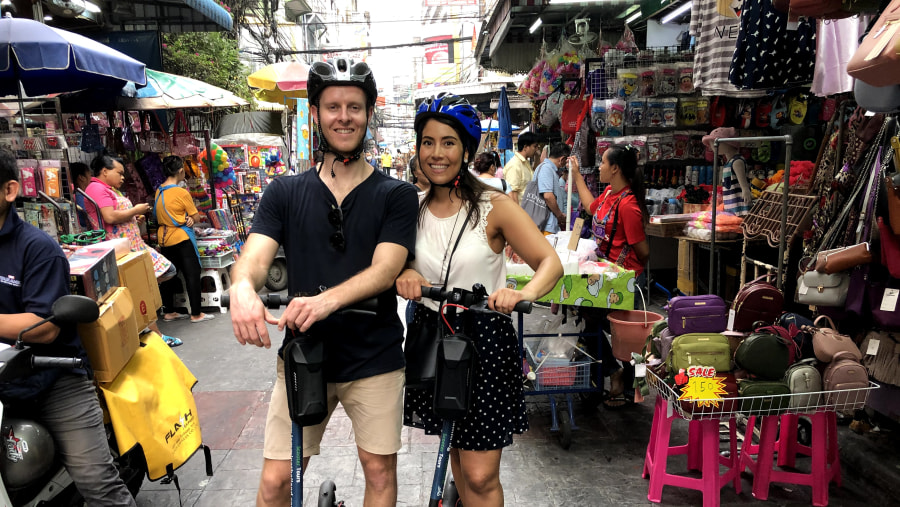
(731, 316)
(872, 349)
(640, 370)
(802, 289)
(704, 391)
(889, 301)
(575, 234)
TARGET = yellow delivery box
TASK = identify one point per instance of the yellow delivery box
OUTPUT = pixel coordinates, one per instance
(111, 340)
(136, 273)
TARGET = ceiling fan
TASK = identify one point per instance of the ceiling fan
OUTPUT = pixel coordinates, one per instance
(66, 8)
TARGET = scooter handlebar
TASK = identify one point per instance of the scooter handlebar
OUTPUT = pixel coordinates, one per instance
(438, 294)
(276, 301)
(57, 362)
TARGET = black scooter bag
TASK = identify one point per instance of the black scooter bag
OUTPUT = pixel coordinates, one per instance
(304, 378)
(454, 377)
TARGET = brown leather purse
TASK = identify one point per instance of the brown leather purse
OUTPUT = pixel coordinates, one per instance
(842, 259)
(877, 60)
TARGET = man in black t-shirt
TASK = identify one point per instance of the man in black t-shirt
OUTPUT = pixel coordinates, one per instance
(347, 231)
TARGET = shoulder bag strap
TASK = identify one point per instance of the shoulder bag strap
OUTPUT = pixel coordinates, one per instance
(458, 238)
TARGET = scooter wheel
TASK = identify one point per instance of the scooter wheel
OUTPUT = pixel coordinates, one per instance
(565, 428)
(327, 497)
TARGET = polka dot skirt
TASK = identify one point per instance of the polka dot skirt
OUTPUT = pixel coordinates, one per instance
(498, 408)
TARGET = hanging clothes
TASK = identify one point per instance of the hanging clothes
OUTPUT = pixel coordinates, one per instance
(716, 26)
(732, 194)
(770, 52)
(836, 41)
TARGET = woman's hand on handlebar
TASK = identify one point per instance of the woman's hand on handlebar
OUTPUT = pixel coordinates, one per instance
(504, 300)
(249, 316)
(409, 284)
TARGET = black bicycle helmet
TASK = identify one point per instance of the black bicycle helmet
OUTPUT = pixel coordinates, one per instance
(456, 109)
(340, 72)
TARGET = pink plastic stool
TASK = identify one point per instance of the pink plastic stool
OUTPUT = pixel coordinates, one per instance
(825, 464)
(702, 451)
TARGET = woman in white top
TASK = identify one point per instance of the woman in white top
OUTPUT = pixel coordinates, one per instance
(485, 220)
(486, 169)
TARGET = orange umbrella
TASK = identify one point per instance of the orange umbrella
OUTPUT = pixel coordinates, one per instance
(280, 81)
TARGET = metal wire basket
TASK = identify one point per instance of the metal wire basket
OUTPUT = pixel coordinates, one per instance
(845, 400)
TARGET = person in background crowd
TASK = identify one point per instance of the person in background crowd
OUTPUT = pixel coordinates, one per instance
(347, 232)
(459, 205)
(386, 161)
(498, 164)
(120, 219)
(81, 175)
(547, 175)
(518, 170)
(619, 216)
(34, 273)
(486, 170)
(416, 177)
(176, 215)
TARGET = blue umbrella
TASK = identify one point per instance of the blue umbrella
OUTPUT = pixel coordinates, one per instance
(48, 60)
(505, 141)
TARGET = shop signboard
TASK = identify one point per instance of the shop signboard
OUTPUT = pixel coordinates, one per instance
(303, 133)
(440, 60)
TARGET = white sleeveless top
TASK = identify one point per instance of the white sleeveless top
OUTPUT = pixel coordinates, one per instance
(472, 262)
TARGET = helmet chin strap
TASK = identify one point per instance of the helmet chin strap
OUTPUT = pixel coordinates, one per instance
(339, 157)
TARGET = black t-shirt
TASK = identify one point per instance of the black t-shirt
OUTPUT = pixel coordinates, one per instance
(294, 212)
(34, 273)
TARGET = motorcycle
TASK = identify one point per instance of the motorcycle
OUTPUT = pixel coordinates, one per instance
(41, 479)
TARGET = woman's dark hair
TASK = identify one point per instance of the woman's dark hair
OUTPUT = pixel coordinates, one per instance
(626, 157)
(79, 169)
(483, 162)
(470, 187)
(497, 162)
(104, 162)
(171, 165)
(413, 167)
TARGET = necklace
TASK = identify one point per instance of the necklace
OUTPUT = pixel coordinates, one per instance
(444, 264)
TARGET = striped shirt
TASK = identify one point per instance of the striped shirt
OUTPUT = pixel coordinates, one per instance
(716, 24)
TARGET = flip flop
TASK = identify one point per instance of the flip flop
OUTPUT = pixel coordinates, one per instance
(179, 317)
(172, 341)
(206, 316)
(617, 402)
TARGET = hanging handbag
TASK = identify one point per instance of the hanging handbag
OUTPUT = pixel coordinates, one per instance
(573, 113)
(825, 9)
(534, 204)
(90, 137)
(423, 337)
(183, 143)
(892, 197)
(883, 292)
(821, 289)
(842, 259)
(890, 248)
(877, 60)
(827, 341)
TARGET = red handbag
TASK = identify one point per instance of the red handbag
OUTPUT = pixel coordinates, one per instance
(756, 301)
(573, 113)
(890, 248)
(825, 9)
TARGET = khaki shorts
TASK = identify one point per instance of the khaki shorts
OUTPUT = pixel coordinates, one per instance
(374, 406)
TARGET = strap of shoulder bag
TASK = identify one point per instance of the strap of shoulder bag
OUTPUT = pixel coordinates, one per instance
(458, 238)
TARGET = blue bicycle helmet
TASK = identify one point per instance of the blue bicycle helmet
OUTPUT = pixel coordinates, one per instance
(455, 108)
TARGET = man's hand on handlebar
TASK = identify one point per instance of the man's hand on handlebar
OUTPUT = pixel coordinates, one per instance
(249, 316)
(409, 284)
(303, 312)
(504, 300)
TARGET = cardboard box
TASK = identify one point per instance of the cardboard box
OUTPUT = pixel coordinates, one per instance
(93, 272)
(111, 340)
(687, 268)
(136, 273)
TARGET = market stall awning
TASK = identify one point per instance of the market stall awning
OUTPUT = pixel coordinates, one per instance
(175, 16)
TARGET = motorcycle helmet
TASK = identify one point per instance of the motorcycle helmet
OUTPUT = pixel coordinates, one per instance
(29, 452)
(340, 72)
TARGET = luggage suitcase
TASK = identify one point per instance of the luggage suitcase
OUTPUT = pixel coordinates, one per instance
(699, 349)
(845, 373)
(764, 397)
(757, 300)
(801, 378)
(697, 314)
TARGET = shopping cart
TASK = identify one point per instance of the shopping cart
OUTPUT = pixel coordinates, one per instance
(548, 375)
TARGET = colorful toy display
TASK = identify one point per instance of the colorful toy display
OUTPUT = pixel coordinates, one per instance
(221, 171)
(274, 165)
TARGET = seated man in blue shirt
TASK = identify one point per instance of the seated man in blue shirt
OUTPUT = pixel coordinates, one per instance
(547, 175)
(34, 273)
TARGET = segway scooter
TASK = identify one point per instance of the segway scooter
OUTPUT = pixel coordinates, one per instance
(453, 379)
(304, 357)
